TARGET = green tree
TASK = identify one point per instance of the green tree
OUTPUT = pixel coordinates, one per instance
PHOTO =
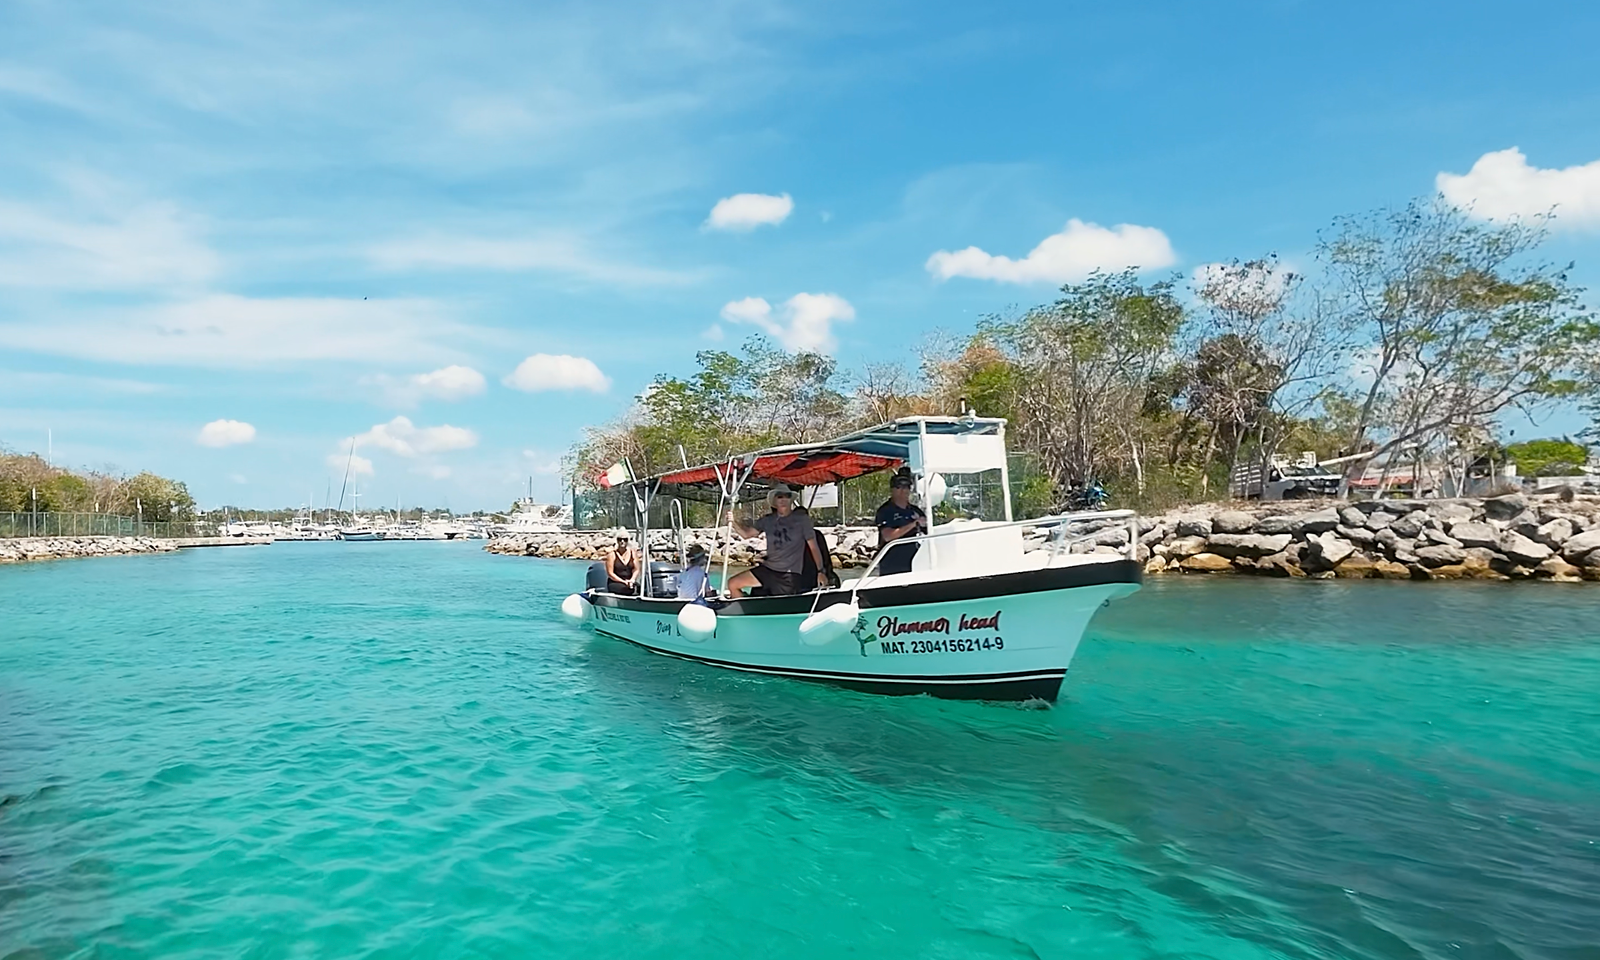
(1457, 324)
(1084, 372)
(1548, 457)
(153, 498)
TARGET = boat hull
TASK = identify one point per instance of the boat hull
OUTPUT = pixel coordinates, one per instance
(1004, 637)
(362, 537)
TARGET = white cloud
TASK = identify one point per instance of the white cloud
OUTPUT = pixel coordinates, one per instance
(1071, 255)
(564, 255)
(804, 322)
(359, 466)
(714, 333)
(434, 471)
(228, 331)
(115, 245)
(746, 211)
(1502, 186)
(225, 433)
(544, 371)
(402, 437)
(450, 383)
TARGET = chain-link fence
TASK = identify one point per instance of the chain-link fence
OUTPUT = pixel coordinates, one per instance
(48, 524)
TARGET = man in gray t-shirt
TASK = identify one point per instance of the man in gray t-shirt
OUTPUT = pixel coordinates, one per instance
(789, 536)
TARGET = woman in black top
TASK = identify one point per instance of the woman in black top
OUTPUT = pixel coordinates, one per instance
(622, 567)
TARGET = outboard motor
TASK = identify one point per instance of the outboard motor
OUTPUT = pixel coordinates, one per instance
(596, 577)
(663, 578)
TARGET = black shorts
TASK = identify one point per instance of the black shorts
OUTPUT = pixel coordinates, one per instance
(776, 582)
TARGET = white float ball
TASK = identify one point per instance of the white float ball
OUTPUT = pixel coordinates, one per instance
(828, 624)
(696, 622)
(576, 608)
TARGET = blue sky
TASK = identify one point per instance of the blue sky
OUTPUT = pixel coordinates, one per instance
(460, 233)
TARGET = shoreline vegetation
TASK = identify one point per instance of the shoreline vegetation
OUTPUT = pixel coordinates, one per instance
(31, 484)
(1510, 537)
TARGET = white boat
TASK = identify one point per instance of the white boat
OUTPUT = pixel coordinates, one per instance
(979, 615)
(361, 531)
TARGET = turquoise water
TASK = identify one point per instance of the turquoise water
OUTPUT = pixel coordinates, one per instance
(399, 750)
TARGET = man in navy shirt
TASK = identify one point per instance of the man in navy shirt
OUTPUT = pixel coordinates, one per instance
(898, 518)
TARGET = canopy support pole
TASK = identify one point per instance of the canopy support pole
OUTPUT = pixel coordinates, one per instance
(643, 493)
(729, 480)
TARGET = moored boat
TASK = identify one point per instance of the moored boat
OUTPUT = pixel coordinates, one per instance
(978, 616)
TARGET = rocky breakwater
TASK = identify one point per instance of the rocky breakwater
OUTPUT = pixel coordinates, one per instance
(850, 546)
(1513, 537)
(22, 549)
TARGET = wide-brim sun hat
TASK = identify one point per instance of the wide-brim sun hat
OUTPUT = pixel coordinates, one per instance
(778, 490)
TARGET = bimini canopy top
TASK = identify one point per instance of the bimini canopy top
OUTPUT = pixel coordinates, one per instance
(883, 447)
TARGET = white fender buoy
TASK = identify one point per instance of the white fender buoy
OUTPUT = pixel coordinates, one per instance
(828, 624)
(696, 622)
(576, 608)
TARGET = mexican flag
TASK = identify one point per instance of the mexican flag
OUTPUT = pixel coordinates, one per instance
(617, 473)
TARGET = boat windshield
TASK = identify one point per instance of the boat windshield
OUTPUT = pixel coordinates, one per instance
(972, 496)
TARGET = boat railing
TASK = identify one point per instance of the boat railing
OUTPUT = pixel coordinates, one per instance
(1056, 545)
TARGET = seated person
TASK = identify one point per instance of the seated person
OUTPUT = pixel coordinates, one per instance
(789, 537)
(622, 567)
(898, 518)
(694, 582)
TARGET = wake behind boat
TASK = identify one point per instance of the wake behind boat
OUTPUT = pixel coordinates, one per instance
(978, 616)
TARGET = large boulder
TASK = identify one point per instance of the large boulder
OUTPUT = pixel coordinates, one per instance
(1559, 570)
(1186, 547)
(1506, 507)
(1206, 563)
(1439, 537)
(1554, 533)
(1352, 517)
(1194, 526)
(1155, 534)
(1521, 550)
(1391, 570)
(1277, 523)
(1319, 521)
(1357, 566)
(1402, 507)
(1451, 511)
(1409, 525)
(1247, 544)
(1378, 519)
(1111, 537)
(1232, 521)
(1440, 555)
(1359, 535)
(1279, 565)
(1580, 545)
(1475, 533)
(1329, 548)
